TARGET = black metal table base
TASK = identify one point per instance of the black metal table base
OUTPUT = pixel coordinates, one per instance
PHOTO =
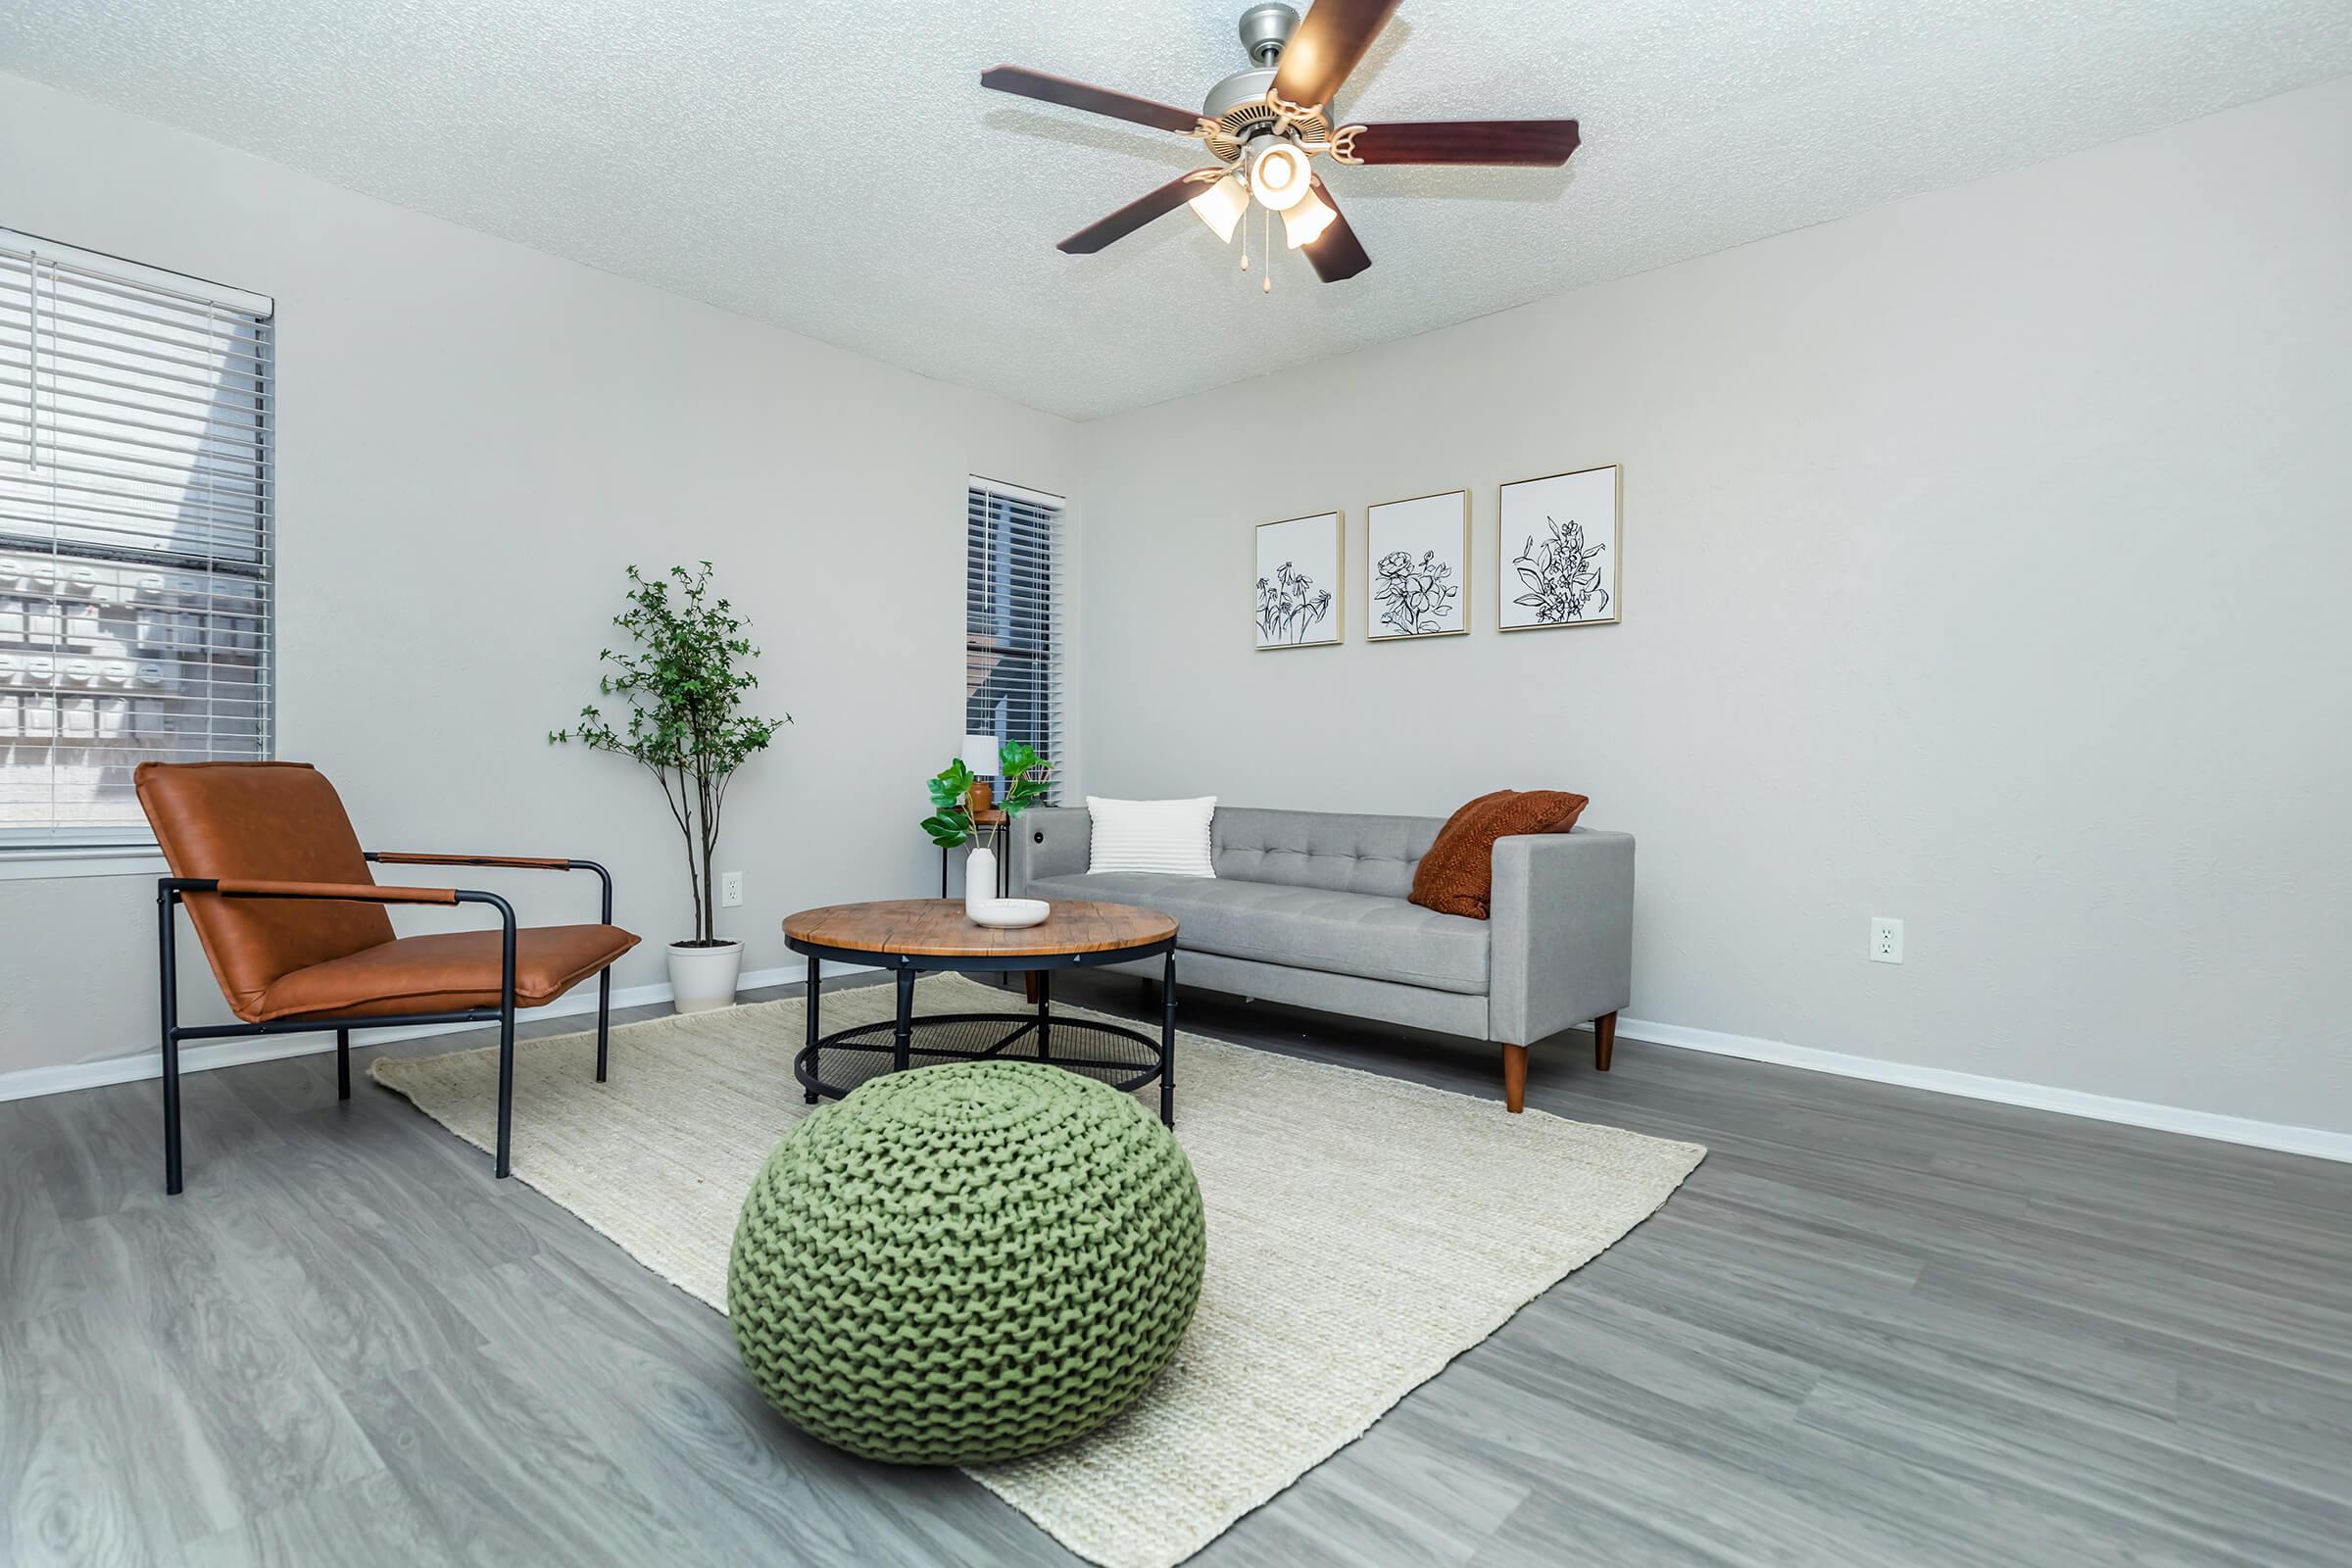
(831, 1066)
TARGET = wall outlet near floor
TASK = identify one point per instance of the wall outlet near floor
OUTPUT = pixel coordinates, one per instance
(1885, 940)
(731, 895)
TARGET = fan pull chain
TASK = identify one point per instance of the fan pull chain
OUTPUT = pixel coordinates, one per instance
(1244, 239)
(1266, 244)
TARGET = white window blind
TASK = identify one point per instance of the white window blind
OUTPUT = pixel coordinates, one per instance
(1014, 647)
(135, 485)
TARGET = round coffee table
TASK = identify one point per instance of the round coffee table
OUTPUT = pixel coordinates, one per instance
(909, 936)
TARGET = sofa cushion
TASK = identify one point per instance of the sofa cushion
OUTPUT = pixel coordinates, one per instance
(1457, 874)
(1168, 837)
(1308, 928)
(1345, 852)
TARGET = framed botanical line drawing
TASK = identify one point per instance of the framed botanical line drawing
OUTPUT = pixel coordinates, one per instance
(1298, 581)
(1558, 539)
(1419, 585)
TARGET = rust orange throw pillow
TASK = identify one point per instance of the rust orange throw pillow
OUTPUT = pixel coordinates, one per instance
(1457, 874)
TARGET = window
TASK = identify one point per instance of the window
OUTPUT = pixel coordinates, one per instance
(1012, 620)
(135, 536)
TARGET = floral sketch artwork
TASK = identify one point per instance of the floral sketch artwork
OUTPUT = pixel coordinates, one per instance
(1298, 582)
(1290, 605)
(1414, 596)
(1420, 554)
(1560, 575)
(1559, 541)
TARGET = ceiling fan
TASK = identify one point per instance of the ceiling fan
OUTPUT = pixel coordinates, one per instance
(1266, 126)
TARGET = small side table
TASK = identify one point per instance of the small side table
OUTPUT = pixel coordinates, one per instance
(997, 820)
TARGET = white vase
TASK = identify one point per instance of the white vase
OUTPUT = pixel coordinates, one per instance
(704, 978)
(979, 878)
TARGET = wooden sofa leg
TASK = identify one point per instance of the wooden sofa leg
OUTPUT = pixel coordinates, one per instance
(1514, 1078)
(1604, 1040)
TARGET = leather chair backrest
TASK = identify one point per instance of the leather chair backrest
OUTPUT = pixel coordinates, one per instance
(273, 821)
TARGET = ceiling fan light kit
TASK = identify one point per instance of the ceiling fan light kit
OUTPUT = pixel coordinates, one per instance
(1267, 125)
(1278, 174)
(1221, 207)
(1305, 221)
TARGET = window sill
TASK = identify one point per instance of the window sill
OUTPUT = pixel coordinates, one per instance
(43, 865)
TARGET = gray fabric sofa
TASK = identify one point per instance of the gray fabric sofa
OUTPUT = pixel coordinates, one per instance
(1309, 907)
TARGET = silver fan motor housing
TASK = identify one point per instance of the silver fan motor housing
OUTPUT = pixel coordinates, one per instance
(1237, 104)
(1242, 88)
(1264, 30)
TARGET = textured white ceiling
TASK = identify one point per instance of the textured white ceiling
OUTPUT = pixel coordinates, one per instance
(834, 165)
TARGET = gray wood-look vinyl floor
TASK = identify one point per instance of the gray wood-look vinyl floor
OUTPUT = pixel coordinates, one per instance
(1878, 1327)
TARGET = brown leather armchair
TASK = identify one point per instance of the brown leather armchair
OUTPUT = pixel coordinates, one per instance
(295, 926)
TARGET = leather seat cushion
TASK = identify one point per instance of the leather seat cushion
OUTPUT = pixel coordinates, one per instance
(445, 972)
(1361, 934)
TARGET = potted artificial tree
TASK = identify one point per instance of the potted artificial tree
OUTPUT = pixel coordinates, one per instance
(684, 687)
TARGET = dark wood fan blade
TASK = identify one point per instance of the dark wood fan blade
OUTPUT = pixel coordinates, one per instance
(1095, 100)
(1542, 143)
(1327, 46)
(1336, 254)
(1134, 216)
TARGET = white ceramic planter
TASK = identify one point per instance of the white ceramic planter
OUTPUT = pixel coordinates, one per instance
(979, 880)
(704, 978)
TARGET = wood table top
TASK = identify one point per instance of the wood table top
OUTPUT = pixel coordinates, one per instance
(938, 928)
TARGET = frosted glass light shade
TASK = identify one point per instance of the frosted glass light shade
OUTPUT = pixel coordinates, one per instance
(980, 755)
(1221, 207)
(1279, 175)
(1306, 223)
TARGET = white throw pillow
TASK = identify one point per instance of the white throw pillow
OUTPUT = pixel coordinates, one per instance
(1168, 837)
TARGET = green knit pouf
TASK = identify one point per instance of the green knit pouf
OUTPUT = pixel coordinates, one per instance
(965, 1263)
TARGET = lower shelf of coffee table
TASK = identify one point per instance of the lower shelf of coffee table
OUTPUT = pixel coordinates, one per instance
(1125, 1059)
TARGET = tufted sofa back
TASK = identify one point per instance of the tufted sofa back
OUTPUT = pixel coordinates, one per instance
(1341, 852)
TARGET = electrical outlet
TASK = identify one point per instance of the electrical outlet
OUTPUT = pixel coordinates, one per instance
(1885, 940)
(730, 891)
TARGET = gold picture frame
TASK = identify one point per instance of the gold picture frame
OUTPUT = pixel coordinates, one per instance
(1292, 602)
(1538, 568)
(1376, 581)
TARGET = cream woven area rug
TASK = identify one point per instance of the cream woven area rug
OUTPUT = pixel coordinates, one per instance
(1362, 1232)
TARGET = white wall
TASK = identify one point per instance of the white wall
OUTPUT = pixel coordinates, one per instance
(1985, 565)
(474, 439)
(1985, 559)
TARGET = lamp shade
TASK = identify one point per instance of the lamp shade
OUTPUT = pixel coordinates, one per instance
(981, 756)
(1304, 223)
(1221, 207)
(1278, 175)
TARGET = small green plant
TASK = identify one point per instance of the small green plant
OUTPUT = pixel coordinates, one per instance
(685, 690)
(950, 824)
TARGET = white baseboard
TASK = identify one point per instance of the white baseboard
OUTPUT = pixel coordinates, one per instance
(27, 1081)
(2314, 1141)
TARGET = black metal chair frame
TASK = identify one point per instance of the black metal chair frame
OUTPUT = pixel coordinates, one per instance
(170, 890)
